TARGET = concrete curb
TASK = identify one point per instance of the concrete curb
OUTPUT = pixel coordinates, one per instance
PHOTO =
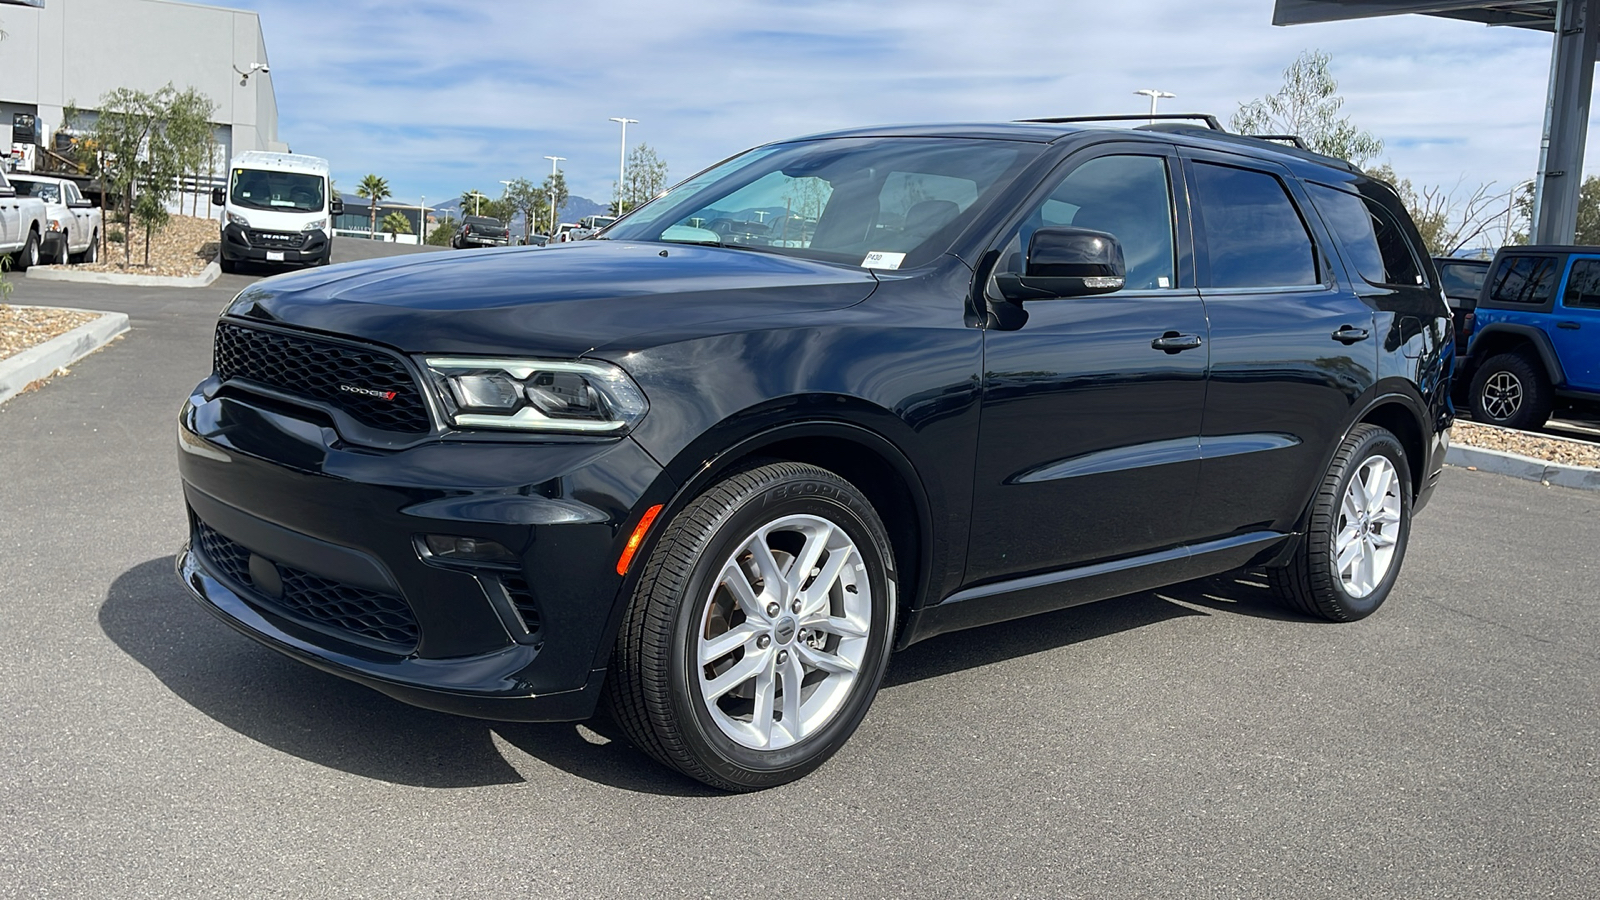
(1500, 462)
(34, 363)
(69, 273)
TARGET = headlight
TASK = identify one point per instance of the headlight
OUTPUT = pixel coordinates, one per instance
(236, 219)
(564, 396)
(315, 225)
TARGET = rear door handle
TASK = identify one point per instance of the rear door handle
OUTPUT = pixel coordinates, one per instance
(1349, 334)
(1570, 326)
(1173, 342)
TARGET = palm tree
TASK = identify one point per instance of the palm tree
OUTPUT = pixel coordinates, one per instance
(472, 200)
(375, 190)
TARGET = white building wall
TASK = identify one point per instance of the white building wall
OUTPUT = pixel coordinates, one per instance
(76, 51)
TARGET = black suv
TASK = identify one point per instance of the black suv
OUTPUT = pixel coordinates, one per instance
(976, 372)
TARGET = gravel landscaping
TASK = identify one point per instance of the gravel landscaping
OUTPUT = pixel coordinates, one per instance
(184, 247)
(22, 327)
(1561, 451)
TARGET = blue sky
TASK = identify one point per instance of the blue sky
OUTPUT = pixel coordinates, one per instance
(441, 97)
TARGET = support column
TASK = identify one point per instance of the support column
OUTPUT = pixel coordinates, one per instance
(1555, 201)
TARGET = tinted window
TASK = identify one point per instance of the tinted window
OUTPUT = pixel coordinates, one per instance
(1126, 196)
(1525, 279)
(1462, 281)
(1370, 234)
(1254, 234)
(1583, 284)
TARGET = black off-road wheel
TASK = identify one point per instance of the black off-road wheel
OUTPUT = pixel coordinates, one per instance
(759, 630)
(1355, 539)
(1511, 390)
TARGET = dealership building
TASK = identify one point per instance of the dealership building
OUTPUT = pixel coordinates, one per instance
(61, 53)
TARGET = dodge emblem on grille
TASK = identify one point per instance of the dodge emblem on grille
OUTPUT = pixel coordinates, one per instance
(367, 392)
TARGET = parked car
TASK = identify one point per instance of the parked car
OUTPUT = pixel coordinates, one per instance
(72, 221)
(278, 209)
(587, 226)
(481, 231)
(1537, 338)
(563, 232)
(1462, 281)
(1011, 369)
(24, 221)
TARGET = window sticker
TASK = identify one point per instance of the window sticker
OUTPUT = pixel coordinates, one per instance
(878, 259)
(1163, 281)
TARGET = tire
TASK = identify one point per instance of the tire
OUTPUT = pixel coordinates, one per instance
(90, 253)
(1511, 390)
(1318, 580)
(28, 256)
(721, 721)
(62, 256)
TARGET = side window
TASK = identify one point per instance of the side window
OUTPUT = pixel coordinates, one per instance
(1583, 284)
(1462, 282)
(1525, 279)
(1254, 234)
(1377, 247)
(1126, 196)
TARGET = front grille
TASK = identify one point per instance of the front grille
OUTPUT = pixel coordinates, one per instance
(379, 617)
(272, 240)
(376, 389)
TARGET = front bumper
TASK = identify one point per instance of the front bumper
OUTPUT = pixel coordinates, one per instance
(251, 245)
(296, 500)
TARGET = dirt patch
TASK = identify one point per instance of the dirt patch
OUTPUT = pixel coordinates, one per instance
(22, 327)
(1550, 449)
(184, 247)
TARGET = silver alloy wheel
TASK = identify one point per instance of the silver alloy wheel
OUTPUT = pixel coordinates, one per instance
(1502, 395)
(784, 633)
(1369, 527)
(33, 252)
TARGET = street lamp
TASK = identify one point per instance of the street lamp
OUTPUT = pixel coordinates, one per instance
(422, 216)
(622, 161)
(504, 192)
(554, 160)
(1154, 95)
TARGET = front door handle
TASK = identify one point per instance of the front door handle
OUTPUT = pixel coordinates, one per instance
(1570, 326)
(1349, 334)
(1173, 342)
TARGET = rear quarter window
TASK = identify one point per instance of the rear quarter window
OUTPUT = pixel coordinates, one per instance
(1525, 281)
(1372, 239)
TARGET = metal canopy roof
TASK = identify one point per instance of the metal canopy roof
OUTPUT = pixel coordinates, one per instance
(1539, 15)
(1576, 26)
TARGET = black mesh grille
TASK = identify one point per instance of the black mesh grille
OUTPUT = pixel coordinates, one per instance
(373, 387)
(322, 601)
(276, 240)
(522, 598)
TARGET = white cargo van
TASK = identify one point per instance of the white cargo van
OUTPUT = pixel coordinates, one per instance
(276, 209)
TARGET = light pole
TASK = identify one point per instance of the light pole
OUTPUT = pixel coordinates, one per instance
(622, 160)
(554, 161)
(1154, 95)
(422, 216)
(504, 191)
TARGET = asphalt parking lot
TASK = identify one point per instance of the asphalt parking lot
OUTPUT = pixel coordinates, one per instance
(1195, 742)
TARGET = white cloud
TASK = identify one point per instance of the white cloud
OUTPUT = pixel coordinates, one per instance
(443, 97)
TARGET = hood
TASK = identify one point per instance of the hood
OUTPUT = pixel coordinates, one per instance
(559, 301)
(290, 221)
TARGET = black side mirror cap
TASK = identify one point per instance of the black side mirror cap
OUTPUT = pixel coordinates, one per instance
(1066, 261)
(219, 197)
(336, 208)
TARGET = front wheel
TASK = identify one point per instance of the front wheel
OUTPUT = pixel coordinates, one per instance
(760, 629)
(28, 256)
(1355, 539)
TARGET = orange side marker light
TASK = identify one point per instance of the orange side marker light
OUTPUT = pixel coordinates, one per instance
(637, 538)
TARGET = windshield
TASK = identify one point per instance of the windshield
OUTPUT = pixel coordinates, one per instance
(44, 190)
(871, 202)
(286, 191)
(483, 222)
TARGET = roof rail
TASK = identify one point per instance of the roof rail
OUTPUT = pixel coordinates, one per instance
(1293, 139)
(1209, 119)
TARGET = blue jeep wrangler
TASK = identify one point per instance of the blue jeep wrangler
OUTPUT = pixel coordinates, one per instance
(1537, 337)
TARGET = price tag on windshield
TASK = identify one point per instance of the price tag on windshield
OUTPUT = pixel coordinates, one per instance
(878, 259)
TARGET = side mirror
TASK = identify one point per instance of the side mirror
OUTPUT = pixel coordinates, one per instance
(219, 197)
(1065, 261)
(81, 204)
(336, 208)
(8, 191)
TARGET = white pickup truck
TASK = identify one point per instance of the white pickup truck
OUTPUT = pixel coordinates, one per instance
(72, 223)
(23, 222)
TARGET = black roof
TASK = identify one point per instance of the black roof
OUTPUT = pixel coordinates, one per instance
(1552, 248)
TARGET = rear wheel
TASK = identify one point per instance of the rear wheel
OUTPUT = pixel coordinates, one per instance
(1356, 536)
(1510, 390)
(91, 252)
(759, 631)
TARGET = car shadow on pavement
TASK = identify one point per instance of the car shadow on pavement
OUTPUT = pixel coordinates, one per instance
(1239, 593)
(331, 722)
